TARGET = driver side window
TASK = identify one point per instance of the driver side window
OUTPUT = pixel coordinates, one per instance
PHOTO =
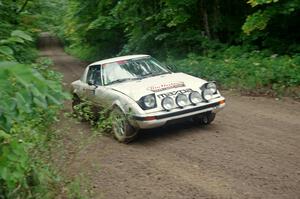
(94, 75)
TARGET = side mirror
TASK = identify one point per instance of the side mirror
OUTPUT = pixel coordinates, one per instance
(91, 82)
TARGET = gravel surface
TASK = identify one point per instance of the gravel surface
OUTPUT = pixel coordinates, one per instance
(251, 150)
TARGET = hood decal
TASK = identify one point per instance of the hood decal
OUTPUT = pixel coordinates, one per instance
(183, 91)
(166, 86)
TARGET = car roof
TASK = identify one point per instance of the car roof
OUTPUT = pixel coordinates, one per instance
(105, 61)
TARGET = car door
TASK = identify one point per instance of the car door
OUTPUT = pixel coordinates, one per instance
(93, 82)
(94, 89)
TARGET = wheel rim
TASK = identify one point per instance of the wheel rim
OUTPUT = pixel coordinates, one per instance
(119, 125)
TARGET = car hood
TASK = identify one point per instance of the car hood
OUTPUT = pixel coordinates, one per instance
(157, 84)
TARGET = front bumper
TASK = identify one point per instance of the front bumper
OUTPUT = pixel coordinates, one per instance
(161, 118)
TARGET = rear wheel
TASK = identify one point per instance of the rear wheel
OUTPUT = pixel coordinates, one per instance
(205, 118)
(122, 130)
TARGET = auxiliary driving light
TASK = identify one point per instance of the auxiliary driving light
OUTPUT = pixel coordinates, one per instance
(195, 97)
(207, 94)
(168, 103)
(182, 100)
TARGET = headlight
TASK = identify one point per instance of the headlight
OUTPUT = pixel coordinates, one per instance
(208, 90)
(212, 86)
(167, 103)
(182, 100)
(207, 94)
(148, 102)
(195, 97)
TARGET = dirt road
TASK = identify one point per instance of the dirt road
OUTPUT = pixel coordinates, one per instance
(252, 150)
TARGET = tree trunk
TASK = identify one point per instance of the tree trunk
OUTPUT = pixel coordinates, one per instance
(205, 18)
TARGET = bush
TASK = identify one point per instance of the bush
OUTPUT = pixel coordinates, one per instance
(245, 68)
(28, 104)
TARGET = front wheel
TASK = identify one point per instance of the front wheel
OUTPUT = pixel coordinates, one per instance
(122, 130)
(205, 118)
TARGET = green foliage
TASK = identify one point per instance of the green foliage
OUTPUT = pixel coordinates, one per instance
(84, 111)
(42, 65)
(245, 68)
(75, 189)
(254, 3)
(20, 36)
(101, 29)
(22, 91)
(28, 104)
(30, 97)
(260, 18)
(49, 15)
(256, 21)
(6, 52)
(209, 32)
(16, 31)
(13, 165)
(99, 118)
(13, 47)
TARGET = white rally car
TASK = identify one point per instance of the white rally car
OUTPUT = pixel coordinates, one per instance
(141, 93)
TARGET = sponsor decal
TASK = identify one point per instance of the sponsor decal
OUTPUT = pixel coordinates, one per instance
(121, 62)
(162, 87)
(183, 91)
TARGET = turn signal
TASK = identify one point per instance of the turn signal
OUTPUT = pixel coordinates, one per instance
(222, 102)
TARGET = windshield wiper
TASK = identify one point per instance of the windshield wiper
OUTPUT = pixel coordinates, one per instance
(121, 80)
(147, 75)
(155, 74)
(162, 73)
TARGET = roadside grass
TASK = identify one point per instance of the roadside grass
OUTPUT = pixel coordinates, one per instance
(31, 98)
(74, 133)
(248, 70)
(69, 139)
(75, 188)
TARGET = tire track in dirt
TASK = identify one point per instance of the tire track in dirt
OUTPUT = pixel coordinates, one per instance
(252, 150)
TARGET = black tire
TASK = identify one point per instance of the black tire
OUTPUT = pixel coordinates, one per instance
(122, 130)
(205, 118)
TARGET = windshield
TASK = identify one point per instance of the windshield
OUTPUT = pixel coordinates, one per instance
(131, 70)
